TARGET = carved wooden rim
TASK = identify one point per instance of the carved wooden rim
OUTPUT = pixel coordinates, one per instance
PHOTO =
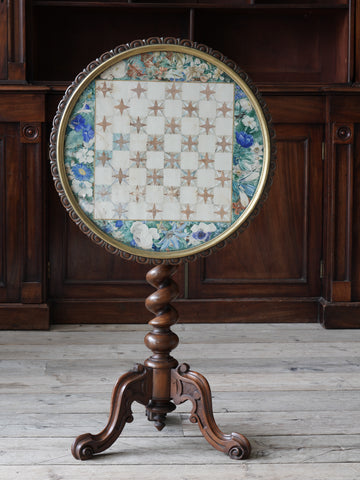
(89, 71)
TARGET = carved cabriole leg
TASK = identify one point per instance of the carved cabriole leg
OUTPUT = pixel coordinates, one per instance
(188, 385)
(161, 341)
(161, 384)
(132, 386)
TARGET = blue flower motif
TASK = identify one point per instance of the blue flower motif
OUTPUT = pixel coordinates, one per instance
(248, 189)
(107, 228)
(172, 238)
(78, 123)
(239, 93)
(88, 132)
(82, 172)
(244, 139)
(201, 235)
(119, 223)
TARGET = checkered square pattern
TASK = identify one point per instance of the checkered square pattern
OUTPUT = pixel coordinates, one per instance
(163, 150)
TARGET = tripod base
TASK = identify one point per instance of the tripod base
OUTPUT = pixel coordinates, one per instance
(161, 384)
(137, 386)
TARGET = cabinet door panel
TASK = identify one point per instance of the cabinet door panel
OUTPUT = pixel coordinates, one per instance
(355, 267)
(10, 214)
(279, 254)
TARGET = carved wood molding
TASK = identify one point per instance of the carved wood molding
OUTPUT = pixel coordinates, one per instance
(342, 191)
(30, 132)
(55, 130)
(343, 133)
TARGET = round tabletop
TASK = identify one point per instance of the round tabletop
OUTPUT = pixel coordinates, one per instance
(161, 150)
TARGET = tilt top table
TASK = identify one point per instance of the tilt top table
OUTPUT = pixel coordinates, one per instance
(162, 151)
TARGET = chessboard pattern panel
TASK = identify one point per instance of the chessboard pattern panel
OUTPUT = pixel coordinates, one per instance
(163, 150)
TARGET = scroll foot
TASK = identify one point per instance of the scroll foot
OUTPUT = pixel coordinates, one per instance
(189, 385)
(132, 386)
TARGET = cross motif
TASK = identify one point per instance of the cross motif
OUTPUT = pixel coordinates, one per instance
(188, 177)
(223, 144)
(154, 178)
(156, 108)
(103, 158)
(221, 212)
(207, 92)
(173, 91)
(155, 142)
(121, 106)
(138, 194)
(104, 89)
(104, 124)
(207, 126)
(190, 108)
(138, 90)
(154, 211)
(172, 193)
(120, 176)
(172, 159)
(190, 143)
(138, 160)
(222, 178)
(121, 141)
(206, 160)
(173, 126)
(224, 109)
(188, 212)
(103, 191)
(206, 195)
(138, 124)
(120, 211)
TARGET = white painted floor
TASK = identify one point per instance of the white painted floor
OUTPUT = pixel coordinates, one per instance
(293, 390)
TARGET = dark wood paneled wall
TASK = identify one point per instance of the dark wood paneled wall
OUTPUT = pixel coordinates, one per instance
(299, 261)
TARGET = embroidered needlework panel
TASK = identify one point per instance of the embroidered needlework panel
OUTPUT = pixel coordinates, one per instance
(164, 152)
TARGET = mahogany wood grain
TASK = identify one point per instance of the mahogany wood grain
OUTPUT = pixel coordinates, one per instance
(24, 316)
(122, 26)
(343, 203)
(33, 278)
(16, 41)
(12, 214)
(355, 260)
(160, 384)
(340, 314)
(3, 41)
(305, 58)
(21, 106)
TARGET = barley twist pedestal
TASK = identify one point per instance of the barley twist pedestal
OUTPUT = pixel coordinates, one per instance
(162, 151)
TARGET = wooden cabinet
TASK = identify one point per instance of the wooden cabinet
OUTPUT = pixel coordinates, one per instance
(299, 261)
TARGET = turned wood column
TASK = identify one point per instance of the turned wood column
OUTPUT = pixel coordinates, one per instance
(161, 341)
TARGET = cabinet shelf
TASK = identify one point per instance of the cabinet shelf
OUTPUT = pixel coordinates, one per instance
(216, 4)
(307, 43)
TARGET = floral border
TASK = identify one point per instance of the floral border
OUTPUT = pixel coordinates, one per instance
(79, 162)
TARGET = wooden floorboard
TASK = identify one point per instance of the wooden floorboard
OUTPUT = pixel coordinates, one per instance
(292, 389)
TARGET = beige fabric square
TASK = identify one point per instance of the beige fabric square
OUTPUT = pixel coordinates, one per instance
(154, 160)
(137, 176)
(172, 177)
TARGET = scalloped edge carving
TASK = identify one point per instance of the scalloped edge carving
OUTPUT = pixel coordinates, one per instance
(55, 129)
